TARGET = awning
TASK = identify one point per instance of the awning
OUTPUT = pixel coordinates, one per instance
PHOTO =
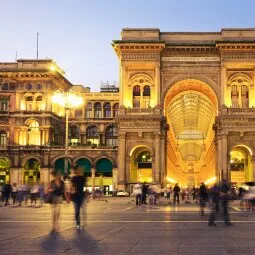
(60, 166)
(104, 166)
(84, 164)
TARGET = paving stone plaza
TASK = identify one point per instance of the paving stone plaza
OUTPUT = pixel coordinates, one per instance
(117, 226)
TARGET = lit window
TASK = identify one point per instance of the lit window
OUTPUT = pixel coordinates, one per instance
(33, 133)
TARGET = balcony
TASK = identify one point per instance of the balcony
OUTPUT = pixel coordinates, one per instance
(238, 111)
(140, 111)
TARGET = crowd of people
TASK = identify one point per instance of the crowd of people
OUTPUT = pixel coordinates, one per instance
(214, 197)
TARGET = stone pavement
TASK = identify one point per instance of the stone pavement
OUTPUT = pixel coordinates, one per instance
(118, 227)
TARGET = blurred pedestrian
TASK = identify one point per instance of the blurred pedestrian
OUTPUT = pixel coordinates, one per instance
(176, 191)
(77, 193)
(56, 191)
(214, 198)
(144, 193)
(7, 189)
(137, 191)
(202, 198)
(224, 197)
(14, 192)
(41, 192)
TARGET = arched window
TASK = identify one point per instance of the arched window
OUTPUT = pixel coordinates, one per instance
(146, 91)
(245, 96)
(89, 110)
(136, 91)
(115, 110)
(33, 133)
(3, 138)
(39, 103)
(98, 110)
(29, 103)
(111, 135)
(234, 96)
(92, 135)
(146, 96)
(136, 96)
(107, 110)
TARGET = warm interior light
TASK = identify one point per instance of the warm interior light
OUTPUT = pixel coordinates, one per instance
(171, 180)
(211, 180)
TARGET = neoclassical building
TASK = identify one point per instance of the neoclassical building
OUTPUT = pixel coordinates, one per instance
(185, 112)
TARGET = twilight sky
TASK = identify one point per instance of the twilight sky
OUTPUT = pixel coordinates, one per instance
(78, 34)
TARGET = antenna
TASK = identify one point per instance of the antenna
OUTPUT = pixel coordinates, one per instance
(16, 56)
(37, 37)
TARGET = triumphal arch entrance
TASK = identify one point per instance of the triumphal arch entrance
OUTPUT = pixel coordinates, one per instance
(187, 107)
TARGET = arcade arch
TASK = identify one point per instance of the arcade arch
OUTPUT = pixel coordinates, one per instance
(190, 108)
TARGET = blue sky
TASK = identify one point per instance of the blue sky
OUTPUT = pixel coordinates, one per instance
(78, 34)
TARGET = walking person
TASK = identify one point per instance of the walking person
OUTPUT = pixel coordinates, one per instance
(202, 198)
(56, 191)
(144, 193)
(137, 191)
(176, 191)
(224, 197)
(41, 192)
(14, 192)
(77, 194)
(214, 197)
(7, 192)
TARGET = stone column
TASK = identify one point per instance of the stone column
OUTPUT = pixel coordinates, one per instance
(163, 160)
(157, 89)
(14, 175)
(114, 178)
(122, 161)
(253, 167)
(223, 84)
(45, 175)
(225, 174)
(219, 157)
(157, 158)
(93, 178)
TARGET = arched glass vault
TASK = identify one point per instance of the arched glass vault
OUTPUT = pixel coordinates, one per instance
(190, 108)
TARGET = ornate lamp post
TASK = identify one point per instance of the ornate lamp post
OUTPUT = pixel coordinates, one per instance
(68, 100)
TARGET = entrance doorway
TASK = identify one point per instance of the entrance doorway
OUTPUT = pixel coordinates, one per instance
(31, 171)
(240, 164)
(141, 165)
(4, 171)
(190, 108)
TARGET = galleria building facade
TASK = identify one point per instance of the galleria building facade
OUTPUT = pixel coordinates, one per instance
(185, 112)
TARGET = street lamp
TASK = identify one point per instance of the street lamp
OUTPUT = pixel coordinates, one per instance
(68, 100)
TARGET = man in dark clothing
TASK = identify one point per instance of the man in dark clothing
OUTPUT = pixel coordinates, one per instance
(224, 197)
(214, 204)
(144, 193)
(176, 191)
(203, 198)
(7, 189)
(77, 193)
